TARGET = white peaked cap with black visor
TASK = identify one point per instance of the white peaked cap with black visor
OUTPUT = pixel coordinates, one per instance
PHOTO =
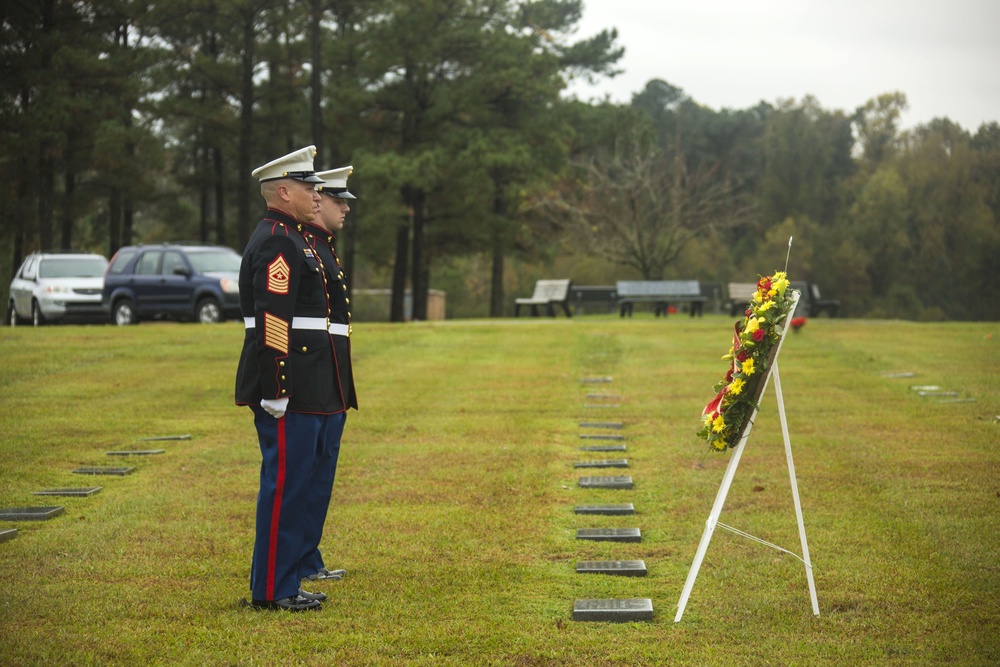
(297, 165)
(335, 183)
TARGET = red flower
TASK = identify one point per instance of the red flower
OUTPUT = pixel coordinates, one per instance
(764, 284)
(729, 376)
(742, 356)
(797, 323)
(758, 335)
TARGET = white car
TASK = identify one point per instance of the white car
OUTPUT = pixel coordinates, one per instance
(53, 286)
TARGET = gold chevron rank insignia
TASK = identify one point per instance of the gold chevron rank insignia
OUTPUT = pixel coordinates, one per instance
(276, 333)
(277, 276)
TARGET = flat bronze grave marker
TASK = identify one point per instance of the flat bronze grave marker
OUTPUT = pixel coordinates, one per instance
(956, 400)
(619, 509)
(606, 482)
(603, 463)
(79, 491)
(30, 513)
(600, 424)
(603, 448)
(8, 534)
(904, 374)
(137, 452)
(104, 471)
(601, 405)
(621, 568)
(609, 534)
(166, 437)
(605, 436)
(615, 611)
(601, 397)
(597, 380)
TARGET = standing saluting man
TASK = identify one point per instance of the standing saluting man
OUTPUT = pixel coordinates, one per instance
(287, 374)
(320, 235)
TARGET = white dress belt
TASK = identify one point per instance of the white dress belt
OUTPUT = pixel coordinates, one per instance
(312, 323)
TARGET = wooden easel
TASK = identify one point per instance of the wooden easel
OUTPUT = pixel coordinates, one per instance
(727, 480)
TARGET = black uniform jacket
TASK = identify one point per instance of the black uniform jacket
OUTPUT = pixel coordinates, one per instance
(320, 240)
(281, 278)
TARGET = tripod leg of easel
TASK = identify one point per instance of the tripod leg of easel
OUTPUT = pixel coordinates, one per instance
(795, 490)
(713, 518)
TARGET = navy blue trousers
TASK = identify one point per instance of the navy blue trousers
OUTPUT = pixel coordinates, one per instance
(319, 493)
(295, 475)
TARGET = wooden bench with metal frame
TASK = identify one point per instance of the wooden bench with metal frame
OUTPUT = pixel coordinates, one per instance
(548, 293)
(661, 293)
(810, 303)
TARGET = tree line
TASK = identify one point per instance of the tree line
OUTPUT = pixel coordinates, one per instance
(127, 121)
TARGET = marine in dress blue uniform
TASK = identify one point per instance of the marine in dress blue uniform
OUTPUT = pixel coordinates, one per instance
(321, 235)
(287, 374)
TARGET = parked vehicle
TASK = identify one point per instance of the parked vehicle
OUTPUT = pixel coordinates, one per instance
(172, 281)
(57, 286)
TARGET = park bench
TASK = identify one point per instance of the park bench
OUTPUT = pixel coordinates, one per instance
(548, 293)
(810, 303)
(661, 293)
(599, 298)
(739, 296)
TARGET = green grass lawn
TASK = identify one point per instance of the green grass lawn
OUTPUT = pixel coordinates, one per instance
(453, 508)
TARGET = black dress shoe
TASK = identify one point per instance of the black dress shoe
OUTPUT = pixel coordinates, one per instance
(291, 603)
(318, 597)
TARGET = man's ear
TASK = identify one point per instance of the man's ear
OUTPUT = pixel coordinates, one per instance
(283, 192)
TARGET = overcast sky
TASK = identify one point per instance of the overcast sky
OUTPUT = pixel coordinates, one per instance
(943, 54)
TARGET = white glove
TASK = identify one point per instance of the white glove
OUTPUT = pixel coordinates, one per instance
(275, 407)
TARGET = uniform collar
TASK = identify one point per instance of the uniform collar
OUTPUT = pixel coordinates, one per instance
(317, 231)
(275, 215)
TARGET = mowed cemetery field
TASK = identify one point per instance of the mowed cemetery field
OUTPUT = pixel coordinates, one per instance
(453, 509)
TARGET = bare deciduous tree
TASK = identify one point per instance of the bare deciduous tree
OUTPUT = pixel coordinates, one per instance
(639, 205)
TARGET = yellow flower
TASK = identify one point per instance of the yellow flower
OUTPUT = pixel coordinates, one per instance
(718, 424)
(719, 444)
(780, 282)
(736, 386)
(748, 367)
(764, 307)
(752, 325)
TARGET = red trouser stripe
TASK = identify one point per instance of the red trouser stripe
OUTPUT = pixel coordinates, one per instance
(272, 551)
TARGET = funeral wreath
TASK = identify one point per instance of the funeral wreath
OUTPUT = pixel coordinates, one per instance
(755, 340)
